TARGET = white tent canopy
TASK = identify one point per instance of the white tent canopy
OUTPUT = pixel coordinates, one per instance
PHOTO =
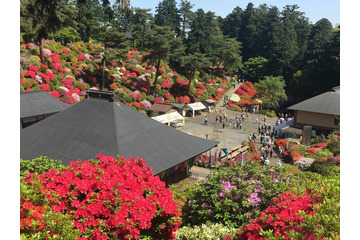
(169, 117)
(195, 107)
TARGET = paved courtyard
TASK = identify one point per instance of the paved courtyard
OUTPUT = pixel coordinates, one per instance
(228, 137)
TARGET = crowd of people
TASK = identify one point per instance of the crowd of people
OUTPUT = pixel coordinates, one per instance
(265, 134)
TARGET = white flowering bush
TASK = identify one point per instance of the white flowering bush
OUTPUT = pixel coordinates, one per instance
(304, 163)
(208, 231)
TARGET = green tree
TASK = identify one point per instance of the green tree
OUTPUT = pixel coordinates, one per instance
(67, 34)
(204, 33)
(87, 18)
(186, 16)
(248, 35)
(272, 91)
(141, 20)
(225, 52)
(256, 68)
(232, 24)
(192, 63)
(39, 19)
(123, 18)
(167, 14)
(160, 42)
(322, 63)
(115, 47)
(107, 13)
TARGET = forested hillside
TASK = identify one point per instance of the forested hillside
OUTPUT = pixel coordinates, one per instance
(258, 41)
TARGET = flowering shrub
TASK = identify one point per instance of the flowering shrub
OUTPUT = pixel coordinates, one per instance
(111, 198)
(310, 150)
(335, 160)
(202, 161)
(304, 163)
(80, 62)
(320, 145)
(234, 195)
(204, 231)
(311, 212)
(282, 217)
(246, 92)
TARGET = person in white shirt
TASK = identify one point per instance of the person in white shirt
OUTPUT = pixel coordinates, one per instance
(266, 162)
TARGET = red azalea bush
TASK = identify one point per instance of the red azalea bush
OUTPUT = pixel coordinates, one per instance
(33, 68)
(282, 143)
(30, 74)
(111, 197)
(282, 216)
(45, 87)
(37, 219)
(320, 145)
(311, 150)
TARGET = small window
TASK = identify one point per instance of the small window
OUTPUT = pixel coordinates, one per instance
(337, 120)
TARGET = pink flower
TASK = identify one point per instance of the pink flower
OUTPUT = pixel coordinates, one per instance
(227, 186)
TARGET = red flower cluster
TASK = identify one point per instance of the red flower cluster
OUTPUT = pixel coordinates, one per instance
(33, 68)
(30, 74)
(30, 217)
(112, 197)
(246, 92)
(55, 94)
(81, 57)
(311, 151)
(184, 99)
(201, 86)
(168, 95)
(166, 84)
(45, 87)
(44, 77)
(320, 145)
(282, 216)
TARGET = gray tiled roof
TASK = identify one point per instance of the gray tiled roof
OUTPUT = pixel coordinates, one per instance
(326, 103)
(94, 127)
(39, 103)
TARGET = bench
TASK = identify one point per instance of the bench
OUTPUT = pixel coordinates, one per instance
(235, 151)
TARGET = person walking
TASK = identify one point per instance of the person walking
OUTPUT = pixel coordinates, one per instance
(280, 152)
(224, 124)
(205, 120)
(271, 152)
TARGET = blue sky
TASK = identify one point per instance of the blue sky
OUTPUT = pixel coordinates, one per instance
(313, 9)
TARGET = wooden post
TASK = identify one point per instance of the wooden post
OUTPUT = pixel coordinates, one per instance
(306, 135)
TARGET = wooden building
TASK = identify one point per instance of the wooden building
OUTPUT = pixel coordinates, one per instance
(320, 112)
